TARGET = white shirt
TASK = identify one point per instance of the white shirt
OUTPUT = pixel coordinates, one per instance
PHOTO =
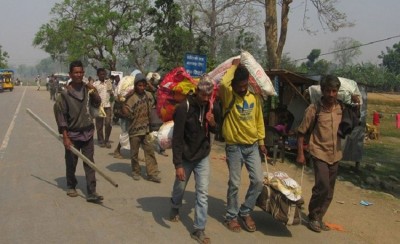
(104, 89)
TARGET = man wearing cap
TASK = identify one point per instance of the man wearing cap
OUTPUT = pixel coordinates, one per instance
(137, 111)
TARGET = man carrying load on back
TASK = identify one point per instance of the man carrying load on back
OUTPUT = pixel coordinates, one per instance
(324, 147)
(244, 132)
(191, 148)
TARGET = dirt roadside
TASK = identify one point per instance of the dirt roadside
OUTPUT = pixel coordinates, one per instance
(377, 223)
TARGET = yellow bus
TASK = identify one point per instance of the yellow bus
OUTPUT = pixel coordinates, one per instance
(6, 79)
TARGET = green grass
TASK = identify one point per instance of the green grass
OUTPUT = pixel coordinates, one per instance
(380, 157)
(384, 152)
(388, 121)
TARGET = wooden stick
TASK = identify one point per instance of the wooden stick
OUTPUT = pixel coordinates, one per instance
(73, 149)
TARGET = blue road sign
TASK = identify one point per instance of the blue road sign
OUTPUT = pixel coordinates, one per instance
(195, 64)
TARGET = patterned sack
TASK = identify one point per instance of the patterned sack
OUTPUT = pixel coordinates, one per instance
(279, 206)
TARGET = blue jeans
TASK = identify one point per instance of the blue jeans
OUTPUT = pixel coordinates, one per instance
(201, 171)
(236, 156)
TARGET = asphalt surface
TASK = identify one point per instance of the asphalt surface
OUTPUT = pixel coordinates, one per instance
(34, 207)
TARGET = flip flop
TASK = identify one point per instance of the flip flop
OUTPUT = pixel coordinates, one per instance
(248, 223)
(233, 225)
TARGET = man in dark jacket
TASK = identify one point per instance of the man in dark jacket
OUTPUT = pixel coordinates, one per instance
(76, 125)
(191, 148)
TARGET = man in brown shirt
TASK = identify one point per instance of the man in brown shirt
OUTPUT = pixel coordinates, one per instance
(324, 147)
(137, 111)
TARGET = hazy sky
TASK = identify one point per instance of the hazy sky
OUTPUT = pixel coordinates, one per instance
(374, 20)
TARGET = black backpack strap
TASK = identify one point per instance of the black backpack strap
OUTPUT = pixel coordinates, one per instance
(316, 115)
(229, 108)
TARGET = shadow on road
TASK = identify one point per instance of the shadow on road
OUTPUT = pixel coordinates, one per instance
(122, 167)
(160, 207)
(61, 182)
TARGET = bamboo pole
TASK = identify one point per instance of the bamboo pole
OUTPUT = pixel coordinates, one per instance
(73, 149)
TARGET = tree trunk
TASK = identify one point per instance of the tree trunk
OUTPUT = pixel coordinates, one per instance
(275, 48)
(271, 27)
(213, 30)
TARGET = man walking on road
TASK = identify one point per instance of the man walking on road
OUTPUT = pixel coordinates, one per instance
(244, 132)
(191, 148)
(324, 147)
(76, 125)
(38, 81)
(105, 90)
(137, 110)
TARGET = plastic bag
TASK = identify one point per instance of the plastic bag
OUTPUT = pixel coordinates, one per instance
(164, 135)
(124, 141)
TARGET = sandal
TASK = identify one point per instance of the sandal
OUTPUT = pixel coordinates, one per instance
(118, 155)
(248, 223)
(72, 193)
(200, 237)
(323, 226)
(233, 225)
(174, 215)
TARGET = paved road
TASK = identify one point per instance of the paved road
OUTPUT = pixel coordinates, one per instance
(34, 207)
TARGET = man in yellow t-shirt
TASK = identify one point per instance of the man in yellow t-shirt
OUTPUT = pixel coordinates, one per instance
(244, 132)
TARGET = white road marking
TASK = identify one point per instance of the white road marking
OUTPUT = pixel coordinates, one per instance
(10, 128)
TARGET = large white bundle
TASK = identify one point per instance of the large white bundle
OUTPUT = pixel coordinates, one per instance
(125, 85)
(125, 144)
(164, 135)
(265, 85)
(217, 73)
(347, 89)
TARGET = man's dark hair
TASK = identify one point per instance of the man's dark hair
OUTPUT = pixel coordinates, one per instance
(330, 81)
(101, 70)
(73, 64)
(241, 74)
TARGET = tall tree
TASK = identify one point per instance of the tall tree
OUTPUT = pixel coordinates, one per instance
(3, 58)
(346, 50)
(391, 59)
(98, 32)
(172, 40)
(215, 18)
(313, 66)
(329, 17)
(312, 57)
(251, 42)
